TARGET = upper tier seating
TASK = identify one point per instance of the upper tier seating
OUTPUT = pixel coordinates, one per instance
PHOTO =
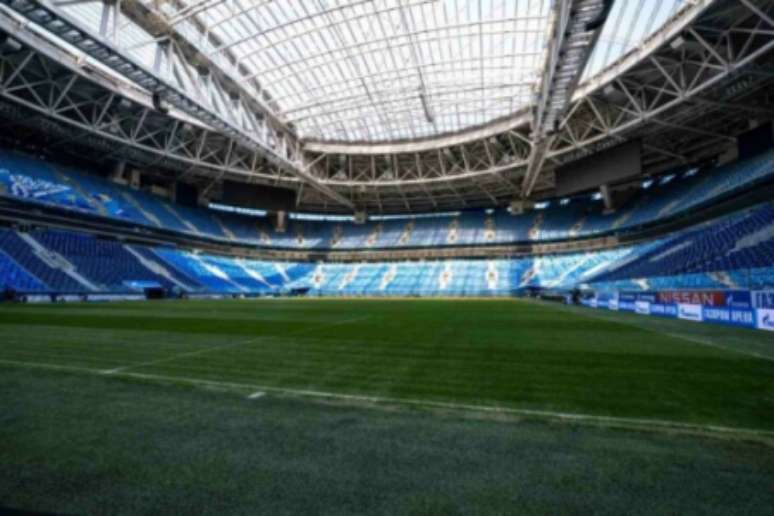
(37, 181)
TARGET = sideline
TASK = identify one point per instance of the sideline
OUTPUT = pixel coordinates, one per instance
(632, 319)
(653, 425)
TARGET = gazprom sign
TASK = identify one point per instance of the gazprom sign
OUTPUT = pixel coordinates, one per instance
(762, 298)
(765, 319)
(741, 308)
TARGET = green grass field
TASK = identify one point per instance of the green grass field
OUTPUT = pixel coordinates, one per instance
(408, 406)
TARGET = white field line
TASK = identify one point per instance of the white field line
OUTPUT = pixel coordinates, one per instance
(259, 390)
(608, 317)
(180, 355)
(225, 346)
(256, 395)
(703, 342)
(53, 367)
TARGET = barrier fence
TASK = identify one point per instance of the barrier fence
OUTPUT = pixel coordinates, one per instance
(742, 308)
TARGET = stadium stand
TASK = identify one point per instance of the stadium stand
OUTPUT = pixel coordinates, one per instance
(105, 263)
(47, 268)
(16, 278)
(735, 251)
(31, 180)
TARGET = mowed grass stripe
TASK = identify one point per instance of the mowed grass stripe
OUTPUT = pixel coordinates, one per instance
(764, 436)
(564, 390)
(246, 313)
(109, 347)
(499, 353)
(744, 341)
(91, 444)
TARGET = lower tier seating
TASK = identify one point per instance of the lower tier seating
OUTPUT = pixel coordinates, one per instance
(735, 251)
(12, 276)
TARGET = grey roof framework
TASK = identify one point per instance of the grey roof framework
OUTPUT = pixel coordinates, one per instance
(380, 70)
(292, 92)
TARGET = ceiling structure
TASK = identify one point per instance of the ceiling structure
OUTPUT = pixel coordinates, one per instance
(396, 105)
(378, 70)
(381, 70)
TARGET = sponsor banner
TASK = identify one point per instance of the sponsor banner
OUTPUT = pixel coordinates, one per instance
(604, 296)
(689, 312)
(765, 319)
(762, 318)
(663, 310)
(650, 297)
(762, 298)
(38, 298)
(593, 302)
(116, 297)
(739, 299)
(72, 298)
(602, 303)
(730, 316)
(693, 297)
(209, 296)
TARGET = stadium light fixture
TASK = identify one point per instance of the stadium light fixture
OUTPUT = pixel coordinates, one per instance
(666, 179)
(677, 43)
(237, 209)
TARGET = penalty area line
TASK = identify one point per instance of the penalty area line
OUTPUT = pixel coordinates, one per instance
(253, 340)
(258, 391)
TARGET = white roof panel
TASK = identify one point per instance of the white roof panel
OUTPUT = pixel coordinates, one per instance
(385, 70)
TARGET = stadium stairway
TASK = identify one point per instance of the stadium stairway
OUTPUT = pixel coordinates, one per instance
(159, 270)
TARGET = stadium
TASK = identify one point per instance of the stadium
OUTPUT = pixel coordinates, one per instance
(387, 256)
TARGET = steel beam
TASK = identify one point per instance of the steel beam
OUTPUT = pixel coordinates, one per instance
(574, 29)
(205, 101)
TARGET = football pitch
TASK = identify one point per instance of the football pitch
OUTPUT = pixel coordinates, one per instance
(380, 406)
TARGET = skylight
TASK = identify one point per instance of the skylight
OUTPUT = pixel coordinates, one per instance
(379, 70)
